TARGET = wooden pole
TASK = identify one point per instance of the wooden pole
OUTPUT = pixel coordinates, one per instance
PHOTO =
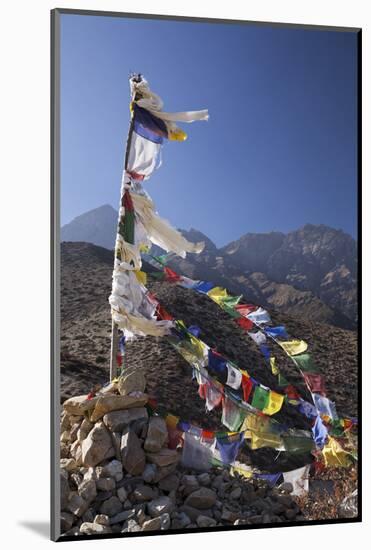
(114, 328)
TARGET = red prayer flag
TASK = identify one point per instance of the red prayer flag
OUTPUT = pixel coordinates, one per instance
(202, 391)
(170, 275)
(244, 323)
(315, 382)
(291, 392)
(163, 314)
(247, 386)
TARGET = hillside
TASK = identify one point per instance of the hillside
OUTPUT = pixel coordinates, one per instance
(85, 340)
(310, 273)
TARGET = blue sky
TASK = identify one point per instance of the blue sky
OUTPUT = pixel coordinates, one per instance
(278, 151)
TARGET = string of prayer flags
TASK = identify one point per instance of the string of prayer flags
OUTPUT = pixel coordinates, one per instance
(229, 447)
(294, 347)
(260, 398)
(276, 332)
(275, 401)
(334, 455)
(299, 480)
(258, 337)
(315, 382)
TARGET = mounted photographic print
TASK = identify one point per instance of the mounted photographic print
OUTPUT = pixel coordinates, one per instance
(205, 291)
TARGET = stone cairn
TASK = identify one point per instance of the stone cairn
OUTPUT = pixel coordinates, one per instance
(119, 476)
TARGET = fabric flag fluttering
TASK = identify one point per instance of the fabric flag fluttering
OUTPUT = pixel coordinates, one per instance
(139, 224)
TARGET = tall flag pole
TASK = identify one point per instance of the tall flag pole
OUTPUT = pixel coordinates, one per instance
(133, 308)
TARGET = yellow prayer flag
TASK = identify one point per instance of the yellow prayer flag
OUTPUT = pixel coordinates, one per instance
(218, 294)
(335, 455)
(274, 368)
(141, 276)
(246, 473)
(275, 401)
(294, 347)
(260, 440)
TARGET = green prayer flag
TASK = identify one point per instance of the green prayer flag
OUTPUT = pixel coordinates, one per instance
(260, 398)
(230, 310)
(305, 362)
(282, 382)
(298, 445)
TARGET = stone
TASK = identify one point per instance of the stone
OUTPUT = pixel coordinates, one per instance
(66, 521)
(79, 405)
(87, 490)
(141, 517)
(84, 429)
(290, 514)
(76, 452)
(123, 516)
(116, 443)
(132, 526)
(201, 498)
(65, 491)
(97, 446)
(142, 493)
(286, 487)
(74, 431)
(169, 483)
(204, 479)
(131, 382)
(193, 513)
(108, 403)
(93, 528)
(165, 521)
(190, 484)
(106, 484)
(229, 516)
(103, 495)
(116, 421)
(149, 473)
(157, 435)
(160, 506)
(161, 473)
(77, 505)
(205, 521)
(235, 494)
(103, 519)
(181, 521)
(111, 506)
(132, 454)
(68, 464)
(164, 457)
(122, 494)
(88, 515)
(153, 524)
(65, 437)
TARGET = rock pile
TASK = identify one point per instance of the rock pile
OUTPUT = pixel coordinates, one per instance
(118, 474)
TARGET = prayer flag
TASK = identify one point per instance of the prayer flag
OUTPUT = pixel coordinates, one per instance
(247, 386)
(142, 156)
(232, 416)
(170, 275)
(260, 440)
(334, 455)
(244, 323)
(271, 479)
(149, 126)
(315, 382)
(259, 316)
(305, 362)
(258, 337)
(276, 332)
(265, 351)
(203, 286)
(245, 309)
(217, 294)
(274, 368)
(320, 433)
(294, 347)
(324, 406)
(275, 401)
(299, 479)
(229, 447)
(234, 377)
(260, 398)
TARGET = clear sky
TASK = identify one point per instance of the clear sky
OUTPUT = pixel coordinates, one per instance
(278, 151)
